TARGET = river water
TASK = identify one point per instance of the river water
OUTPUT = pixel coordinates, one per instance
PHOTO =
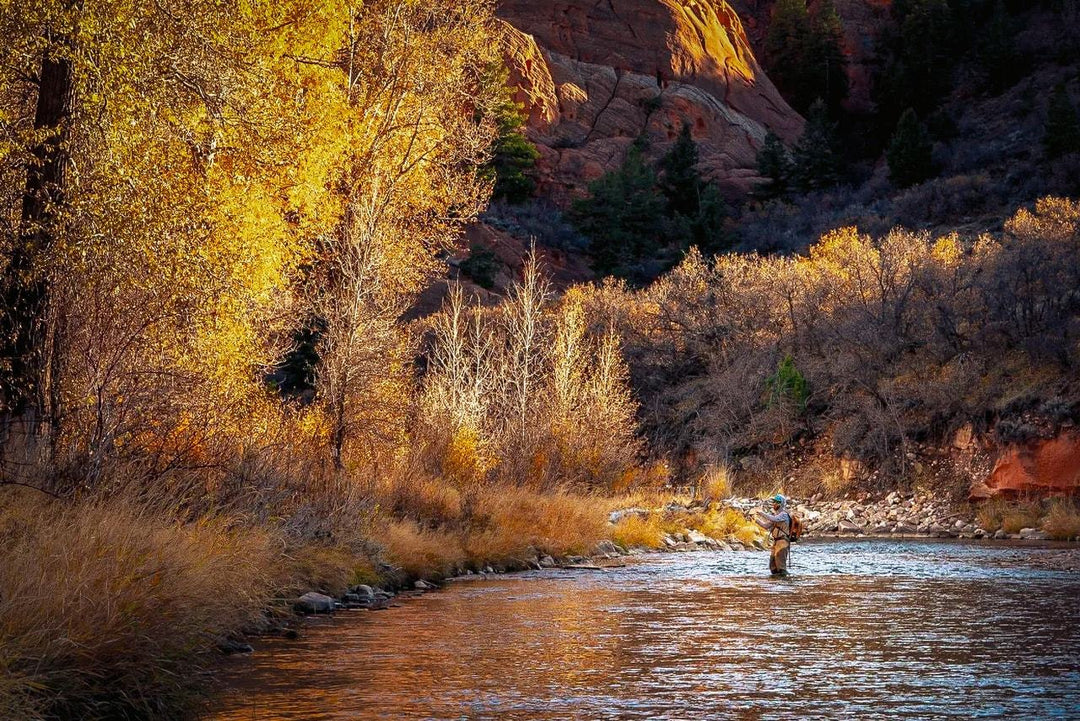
(872, 629)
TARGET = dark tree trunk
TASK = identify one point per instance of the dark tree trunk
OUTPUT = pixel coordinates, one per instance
(28, 343)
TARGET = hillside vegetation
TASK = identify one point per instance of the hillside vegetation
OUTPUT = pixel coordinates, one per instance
(218, 391)
(862, 348)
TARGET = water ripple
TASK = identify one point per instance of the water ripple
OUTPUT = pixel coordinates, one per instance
(876, 629)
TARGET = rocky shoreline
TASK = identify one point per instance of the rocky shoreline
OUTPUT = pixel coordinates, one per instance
(892, 515)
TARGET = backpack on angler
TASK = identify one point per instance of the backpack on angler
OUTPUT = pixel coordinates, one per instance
(795, 530)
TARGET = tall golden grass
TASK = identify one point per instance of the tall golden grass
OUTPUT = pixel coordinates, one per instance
(1062, 521)
(107, 609)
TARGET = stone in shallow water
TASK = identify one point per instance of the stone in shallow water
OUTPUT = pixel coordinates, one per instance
(1033, 534)
(312, 602)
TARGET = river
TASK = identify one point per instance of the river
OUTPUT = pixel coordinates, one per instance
(869, 628)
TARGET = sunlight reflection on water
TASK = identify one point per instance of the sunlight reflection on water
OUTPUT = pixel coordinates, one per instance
(869, 628)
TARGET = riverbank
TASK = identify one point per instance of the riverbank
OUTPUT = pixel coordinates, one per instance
(113, 609)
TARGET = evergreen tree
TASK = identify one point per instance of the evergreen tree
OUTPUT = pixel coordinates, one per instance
(816, 161)
(773, 163)
(679, 179)
(997, 50)
(1062, 133)
(805, 53)
(695, 208)
(909, 152)
(513, 155)
(825, 60)
(707, 228)
(623, 215)
(786, 44)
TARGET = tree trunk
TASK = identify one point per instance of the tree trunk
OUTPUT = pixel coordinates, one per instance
(29, 342)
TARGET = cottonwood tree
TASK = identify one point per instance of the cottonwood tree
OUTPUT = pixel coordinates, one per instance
(162, 202)
(407, 181)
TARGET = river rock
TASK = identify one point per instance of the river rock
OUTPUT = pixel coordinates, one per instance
(1033, 534)
(606, 548)
(847, 526)
(547, 561)
(1000, 534)
(693, 536)
(312, 602)
(363, 591)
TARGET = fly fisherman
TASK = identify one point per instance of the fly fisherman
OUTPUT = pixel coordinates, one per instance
(778, 524)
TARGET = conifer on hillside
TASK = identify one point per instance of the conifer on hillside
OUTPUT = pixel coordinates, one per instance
(910, 152)
(816, 157)
(1062, 133)
(774, 164)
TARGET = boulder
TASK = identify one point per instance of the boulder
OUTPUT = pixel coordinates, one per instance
(606, 548)
(1033, 534)
(847, 526)
(312, 602)
(693, 536)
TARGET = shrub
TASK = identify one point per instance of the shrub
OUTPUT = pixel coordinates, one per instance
(481, 265)
(1062, 521)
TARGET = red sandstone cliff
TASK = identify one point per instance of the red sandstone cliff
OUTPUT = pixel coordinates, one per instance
(596, 75)
(1042, 467)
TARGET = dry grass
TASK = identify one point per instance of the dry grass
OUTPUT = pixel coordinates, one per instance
(721, 523)
(106, 609)
(509, 523)
(420, 498)
(417, 552)
(716, 483)
(1062, 522)
(1026, 515)
(991, 512)
(638, 531)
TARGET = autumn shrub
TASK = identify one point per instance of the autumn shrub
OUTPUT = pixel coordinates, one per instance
(107, 610)
(1062, 521)
(639, 530)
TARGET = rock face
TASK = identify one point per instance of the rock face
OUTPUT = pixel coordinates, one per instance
(594, 76)
(1043, 467)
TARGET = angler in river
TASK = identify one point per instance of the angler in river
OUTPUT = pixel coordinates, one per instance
(778, 524)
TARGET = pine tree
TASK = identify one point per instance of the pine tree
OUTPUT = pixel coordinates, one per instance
(773, 163)
(513, 155)
(825, 59)
(695, 208)
(816, 157)
(909, 152)
(997, 50)
(623, 215)
(679, 179)
(1062, 134)
(786, 46)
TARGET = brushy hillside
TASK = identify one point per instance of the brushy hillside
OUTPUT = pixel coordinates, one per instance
(860, 349)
